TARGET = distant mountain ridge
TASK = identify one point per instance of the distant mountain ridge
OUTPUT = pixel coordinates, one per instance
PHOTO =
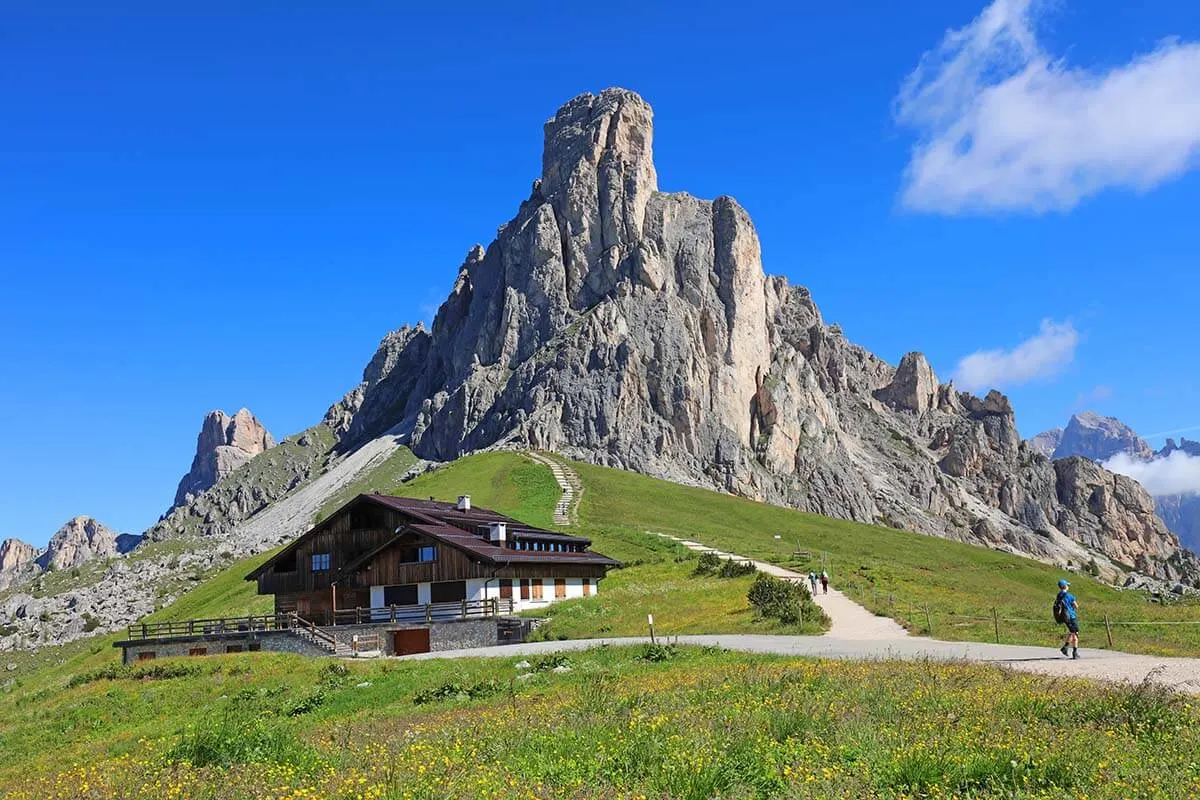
(1099, 438)
(77, 542)
(1103, 439)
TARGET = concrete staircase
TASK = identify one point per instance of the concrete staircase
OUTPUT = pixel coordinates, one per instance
(318, 638)
(568, 480)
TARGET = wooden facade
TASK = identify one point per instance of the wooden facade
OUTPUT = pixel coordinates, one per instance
(395, 544)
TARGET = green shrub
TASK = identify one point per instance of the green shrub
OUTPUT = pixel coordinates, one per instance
(737, 569)
(708, 564)
(787, 601)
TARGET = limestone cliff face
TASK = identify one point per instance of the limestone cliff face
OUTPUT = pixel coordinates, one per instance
(15, 557)
(634, 328)
(224, 444)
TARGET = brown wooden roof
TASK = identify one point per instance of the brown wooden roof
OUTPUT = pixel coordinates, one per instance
(445, 523)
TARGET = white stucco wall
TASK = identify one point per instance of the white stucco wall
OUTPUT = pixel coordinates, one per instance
(482, 589)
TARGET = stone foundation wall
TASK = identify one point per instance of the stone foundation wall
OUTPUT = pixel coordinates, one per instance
(218, 643)
(456, 635)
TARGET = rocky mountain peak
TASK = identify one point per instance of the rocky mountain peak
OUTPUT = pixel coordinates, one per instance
(635, 328)
(597, 178)
(1185, 445)
(15, 555)
(1047, 442)
(1100, 438)
(77, 542)
(224, 444)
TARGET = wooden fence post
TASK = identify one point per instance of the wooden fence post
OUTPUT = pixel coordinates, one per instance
(464, 608)
(996, 622)
(429, 612)
(1108, 630)
(928, 622)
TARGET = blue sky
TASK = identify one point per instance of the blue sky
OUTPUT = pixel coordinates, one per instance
(204, 206)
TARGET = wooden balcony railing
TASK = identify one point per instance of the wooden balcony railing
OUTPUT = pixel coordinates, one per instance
(424, 613)
(428, 612)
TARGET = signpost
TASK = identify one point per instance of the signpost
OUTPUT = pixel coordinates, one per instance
(650, 620)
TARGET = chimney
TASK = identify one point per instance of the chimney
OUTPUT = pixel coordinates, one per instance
(497, 533)
(464, 502)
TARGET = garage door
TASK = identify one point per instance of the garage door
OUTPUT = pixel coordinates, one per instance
(410, 640)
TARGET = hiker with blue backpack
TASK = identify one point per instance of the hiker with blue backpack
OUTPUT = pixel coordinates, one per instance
(1066, 612)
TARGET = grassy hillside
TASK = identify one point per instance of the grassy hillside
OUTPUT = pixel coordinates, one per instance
(894, 573)
(621, 722)
(657, 577)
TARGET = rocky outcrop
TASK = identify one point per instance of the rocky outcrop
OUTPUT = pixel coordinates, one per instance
(1046, 442)
(78, 541)
(622, 325)
(1185, 445)
(1100, 438)
(15, 558)
(914, 387)
(224, 444)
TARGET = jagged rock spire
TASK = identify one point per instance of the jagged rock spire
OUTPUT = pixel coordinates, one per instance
(224, 444)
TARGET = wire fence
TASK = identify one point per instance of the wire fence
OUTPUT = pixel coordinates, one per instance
(916, 611)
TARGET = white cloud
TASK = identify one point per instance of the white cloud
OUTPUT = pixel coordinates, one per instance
(1174, 474)
(1002, 125)
(1041, 356)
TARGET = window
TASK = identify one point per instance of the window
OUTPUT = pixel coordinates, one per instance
(587, 587)
(145, 655)
(233, 648)
(405, 595)
(560, 588)
(448, 591)
(254, 647)
(505, 589)
(320, 562)
(524, 588)
(538, 585)
(416, 555)
(199, 651)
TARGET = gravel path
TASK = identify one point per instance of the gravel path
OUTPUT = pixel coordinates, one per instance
(1183, 674)
(848, 619)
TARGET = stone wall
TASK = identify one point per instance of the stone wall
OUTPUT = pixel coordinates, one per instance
(462, 635)
(218, 643)
(455, 635)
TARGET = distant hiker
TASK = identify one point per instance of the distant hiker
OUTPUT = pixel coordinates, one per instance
(812, 581)
(1066, 612)
(824, 582)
